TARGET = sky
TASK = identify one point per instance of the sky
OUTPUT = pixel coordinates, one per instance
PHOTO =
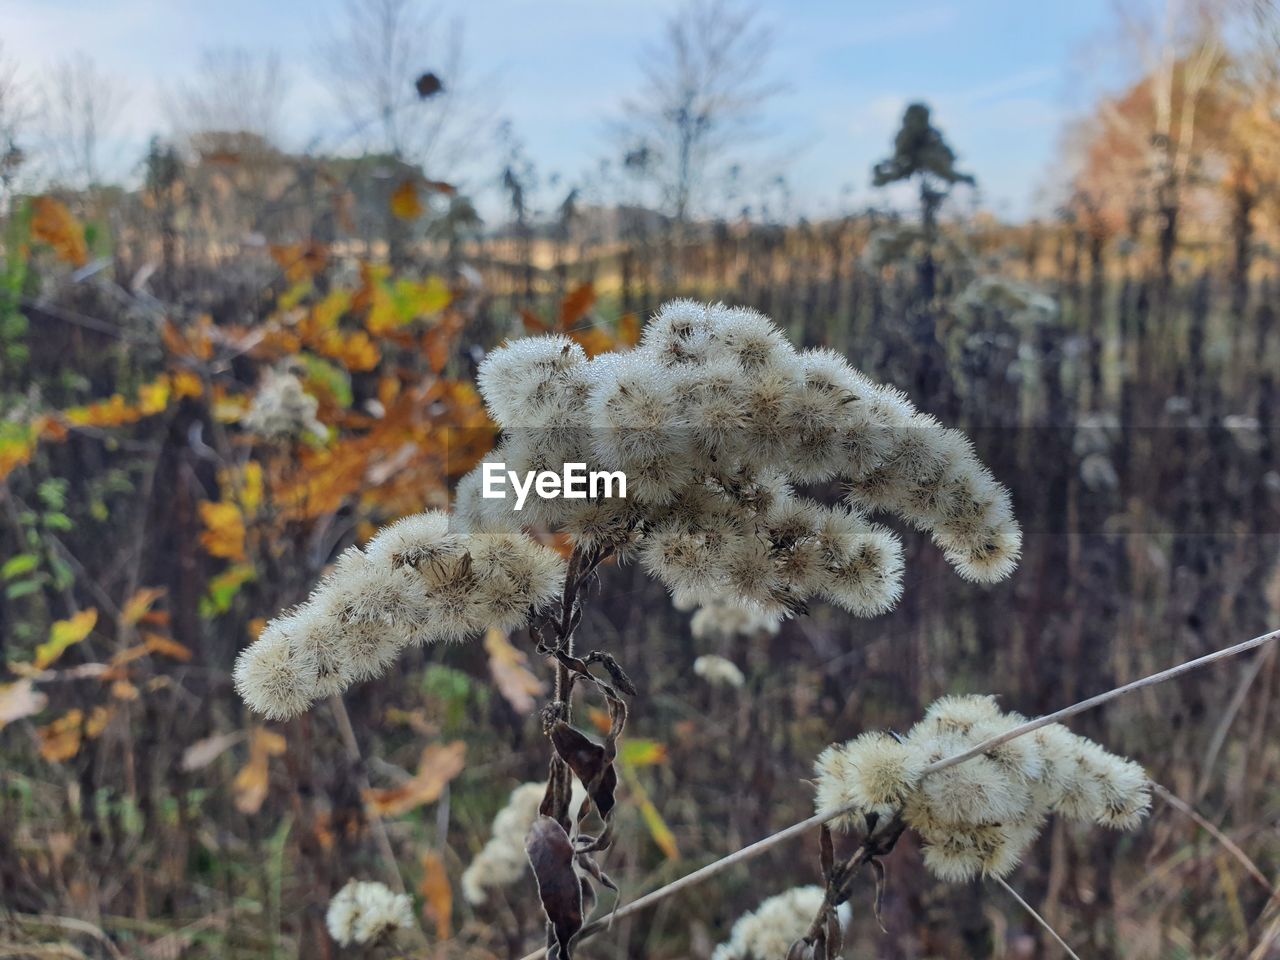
(1003, 77)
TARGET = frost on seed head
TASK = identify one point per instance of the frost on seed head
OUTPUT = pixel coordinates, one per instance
(978, 817)
(366, 912)
(768, 932)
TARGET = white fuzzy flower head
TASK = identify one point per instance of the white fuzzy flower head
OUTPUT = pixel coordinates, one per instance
(714, 421)
(420, 581)
(272, 676)
(718, 671)
(768, 932)
(367, 912)
(978, 817)
(720, 619)
(281, 409)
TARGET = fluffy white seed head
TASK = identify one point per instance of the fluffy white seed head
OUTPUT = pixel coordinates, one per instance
(978, 817)
(273, 677)
(768, 932)
(367, 912)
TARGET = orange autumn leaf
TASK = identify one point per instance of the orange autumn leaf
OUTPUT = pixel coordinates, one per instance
(533, 324)
(224, 530)
(629, 330)
(166, 647)
(60, 740)
(594, 341)
(250, 784)
(136, 607)
(355, 350)
(300, 261)
(54, 225)
(576, 304)
(437, 893)
(439, 765)
(405, 202)
(513, 678)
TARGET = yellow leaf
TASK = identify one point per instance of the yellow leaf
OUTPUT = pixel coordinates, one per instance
(98, 721)
(329, 311)
(224, 532)
(437, 893)
(124, 690)
(18, 700)
(513, 678)
(136, 606)
(186, 384)
(405, 203)
(53, 224)
(64, 634)
(153, 397)
(642, 753)
(60, 740)
(250, 784)
(658, 829)
(439, 765)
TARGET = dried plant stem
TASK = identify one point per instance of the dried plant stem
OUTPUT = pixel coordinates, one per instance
(1077, 708)
(797, 829)
(1228, 844)
(1039, 919)
(376, 826)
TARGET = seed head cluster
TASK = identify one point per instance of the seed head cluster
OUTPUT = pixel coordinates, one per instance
(366, 912)
(979, 817)
(418, 581)
(716, 420)
(281, 408)
(768, 932)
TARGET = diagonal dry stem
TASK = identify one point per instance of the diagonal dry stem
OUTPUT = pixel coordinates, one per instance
(1039, 919)
(797, 829)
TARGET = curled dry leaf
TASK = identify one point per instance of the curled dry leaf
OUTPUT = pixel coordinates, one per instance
(551, 855)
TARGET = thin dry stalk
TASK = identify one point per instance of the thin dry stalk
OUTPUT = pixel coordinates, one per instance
(1039, 919)
(1228, 844)
(797, 829)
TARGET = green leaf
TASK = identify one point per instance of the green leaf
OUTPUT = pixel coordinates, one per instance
(17, 566)
(223, 589)
(20, 589)
(332, 377)
(58, 521)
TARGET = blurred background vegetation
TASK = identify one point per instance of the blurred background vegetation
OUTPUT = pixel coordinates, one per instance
(1115, 358)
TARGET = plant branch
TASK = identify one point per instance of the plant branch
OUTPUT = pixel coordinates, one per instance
(796, 829)
(1228, 844)
(1039, 919)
